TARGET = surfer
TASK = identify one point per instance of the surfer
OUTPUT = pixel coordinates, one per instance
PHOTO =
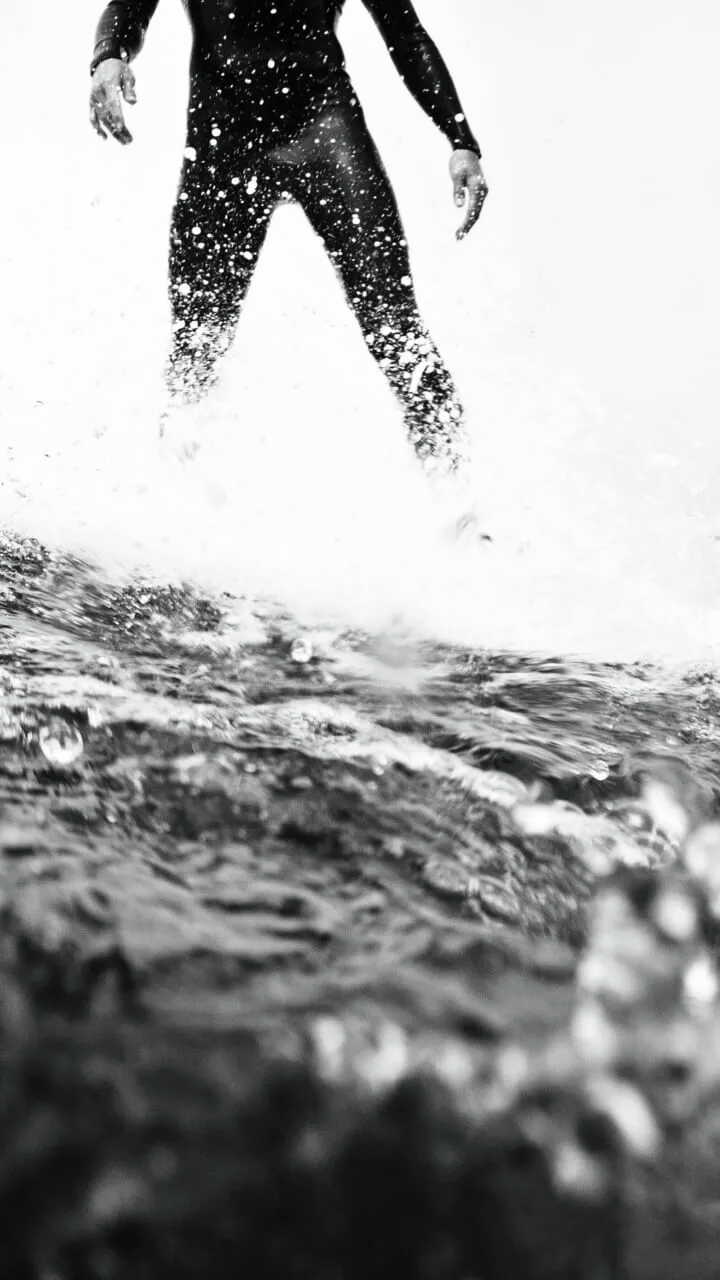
(272, 116)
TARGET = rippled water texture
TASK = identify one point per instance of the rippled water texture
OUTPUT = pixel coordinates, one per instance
(271, 747)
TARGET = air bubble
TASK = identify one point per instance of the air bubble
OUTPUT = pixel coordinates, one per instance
(60, 743)
(301, 650)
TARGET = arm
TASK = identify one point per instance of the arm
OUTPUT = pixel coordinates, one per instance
(119, 37)
(423, 69)
(121, 30)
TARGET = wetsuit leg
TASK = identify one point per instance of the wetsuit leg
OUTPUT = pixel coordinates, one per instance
(217, 231)
(344, 189)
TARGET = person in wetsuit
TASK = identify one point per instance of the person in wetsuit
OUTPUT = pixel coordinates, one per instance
(272, 116)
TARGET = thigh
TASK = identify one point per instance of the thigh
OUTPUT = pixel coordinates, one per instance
(345, 191)
(223, 204)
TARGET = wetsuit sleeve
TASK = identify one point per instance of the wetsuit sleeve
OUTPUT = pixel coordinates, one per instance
(423, 69)
(121, 29)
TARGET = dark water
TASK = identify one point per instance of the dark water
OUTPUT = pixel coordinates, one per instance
(216, 826)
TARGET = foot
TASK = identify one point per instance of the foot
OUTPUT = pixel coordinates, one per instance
(466, 528)
(455, 495)
(178, 431)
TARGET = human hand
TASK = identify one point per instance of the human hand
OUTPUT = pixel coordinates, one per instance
(469, 187)
(112, 81)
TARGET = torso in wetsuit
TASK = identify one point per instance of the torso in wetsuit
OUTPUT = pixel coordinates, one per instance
(232, 36)
(233, 32)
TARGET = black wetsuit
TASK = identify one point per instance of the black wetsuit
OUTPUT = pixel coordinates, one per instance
(272, 116)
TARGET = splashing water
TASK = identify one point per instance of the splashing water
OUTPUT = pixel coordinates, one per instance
(304, 488)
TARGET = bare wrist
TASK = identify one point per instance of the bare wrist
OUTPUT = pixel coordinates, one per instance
(108, 50)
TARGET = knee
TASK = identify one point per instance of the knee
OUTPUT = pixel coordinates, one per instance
(205, 298)
(397, 339)
(379, 298)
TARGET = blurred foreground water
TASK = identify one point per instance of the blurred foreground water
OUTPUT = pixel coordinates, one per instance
(273, 897)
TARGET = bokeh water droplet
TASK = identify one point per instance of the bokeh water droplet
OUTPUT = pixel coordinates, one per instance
(301, 650)
(60, 743)
(301, 783)
(10, 727)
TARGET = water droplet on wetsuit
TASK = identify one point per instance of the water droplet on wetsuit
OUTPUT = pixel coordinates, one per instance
(60, 743)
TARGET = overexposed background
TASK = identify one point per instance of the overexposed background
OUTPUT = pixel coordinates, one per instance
(581, 319)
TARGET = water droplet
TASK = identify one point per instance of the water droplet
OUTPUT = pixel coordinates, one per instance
(385, 1063)
(447, 877)
(535, 819)
(635, 819)
(10, 727)
(329, 1042)
(301, 650)
(60, 743)
(395, 847)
